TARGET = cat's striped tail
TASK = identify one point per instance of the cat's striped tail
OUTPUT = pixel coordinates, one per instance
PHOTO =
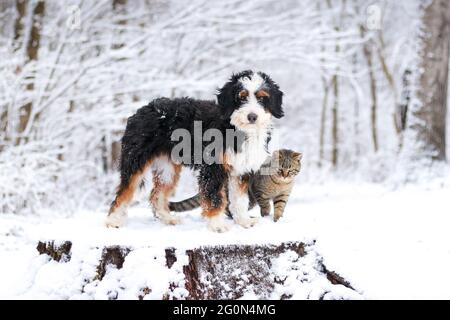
(185, 205)
(194, 202)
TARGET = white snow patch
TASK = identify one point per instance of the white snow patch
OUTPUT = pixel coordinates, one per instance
(387, 243)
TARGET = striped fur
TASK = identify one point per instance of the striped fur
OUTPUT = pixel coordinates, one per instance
(185, 205)
(263, 188)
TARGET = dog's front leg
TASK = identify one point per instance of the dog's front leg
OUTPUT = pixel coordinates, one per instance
(239, 201)
(213, 200)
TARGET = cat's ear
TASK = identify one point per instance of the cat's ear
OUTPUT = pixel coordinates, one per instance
(297, 155)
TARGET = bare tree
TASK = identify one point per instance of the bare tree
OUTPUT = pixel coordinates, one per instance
(32, 55)
(111, 143)
(368, 54)
(335, 88)
(323, 117)
(323, 112)
(335, 119)
(18, 38)
(21, 6)
(431, 89)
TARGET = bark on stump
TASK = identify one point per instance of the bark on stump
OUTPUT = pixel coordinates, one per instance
(211, 271)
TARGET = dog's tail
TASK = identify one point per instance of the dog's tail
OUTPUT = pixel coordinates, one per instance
(185, 205)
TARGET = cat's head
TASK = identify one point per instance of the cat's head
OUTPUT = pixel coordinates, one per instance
(288, 163)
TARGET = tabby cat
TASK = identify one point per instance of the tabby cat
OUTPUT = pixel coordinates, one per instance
(273, 182)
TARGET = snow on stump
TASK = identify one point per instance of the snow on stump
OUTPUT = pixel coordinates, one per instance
(290, 270)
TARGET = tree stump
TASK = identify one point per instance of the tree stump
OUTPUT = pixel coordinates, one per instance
(271, 271)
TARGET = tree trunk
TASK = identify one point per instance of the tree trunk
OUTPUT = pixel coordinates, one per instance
(18, 37)
(118, 3)
(368, 54)
(429, 114)
(323, 116)
(402, 107)
(111, 151)
(18, 23)
(334, 109)
(32, 55)
(334, 129)
(356, 113)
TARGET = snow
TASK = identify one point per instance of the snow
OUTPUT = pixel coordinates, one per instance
(301, 279)
(143, 268)
(389, 243)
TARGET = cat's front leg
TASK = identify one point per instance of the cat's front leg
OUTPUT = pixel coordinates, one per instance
(261, 199)
(264, 204)
(279, 203)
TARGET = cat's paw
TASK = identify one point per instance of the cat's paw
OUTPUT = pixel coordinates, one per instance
(277, 217)
(265, 213)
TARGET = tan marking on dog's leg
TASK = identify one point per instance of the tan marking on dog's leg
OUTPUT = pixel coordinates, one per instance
(118, 212)
(239, 201)
(215, 215)
(164, 184)
(225, 161)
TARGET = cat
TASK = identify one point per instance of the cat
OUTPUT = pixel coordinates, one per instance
(273, 182)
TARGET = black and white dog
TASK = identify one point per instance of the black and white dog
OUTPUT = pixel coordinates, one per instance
(246, 104)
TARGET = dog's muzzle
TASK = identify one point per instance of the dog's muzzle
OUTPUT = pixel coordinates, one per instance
(252, 117)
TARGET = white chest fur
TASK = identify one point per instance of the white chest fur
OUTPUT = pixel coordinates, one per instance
(251, 155)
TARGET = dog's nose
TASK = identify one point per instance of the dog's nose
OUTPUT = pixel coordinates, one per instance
(252, 117)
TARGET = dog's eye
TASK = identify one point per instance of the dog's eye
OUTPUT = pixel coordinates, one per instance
(261, 95)
(243, 94)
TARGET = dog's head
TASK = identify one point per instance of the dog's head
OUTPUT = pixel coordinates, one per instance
(250, 99)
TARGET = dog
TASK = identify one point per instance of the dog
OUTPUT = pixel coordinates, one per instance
(247, 103)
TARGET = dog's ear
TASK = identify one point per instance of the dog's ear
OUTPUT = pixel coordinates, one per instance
(226, 96)
(276, 102)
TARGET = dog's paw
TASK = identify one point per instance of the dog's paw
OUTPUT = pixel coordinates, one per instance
(246, 222)
(115, 221)
(170, 220)
(218, 224)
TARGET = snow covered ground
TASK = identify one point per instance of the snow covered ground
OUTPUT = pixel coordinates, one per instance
(389, 243)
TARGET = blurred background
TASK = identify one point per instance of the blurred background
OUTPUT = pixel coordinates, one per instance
(365, 85)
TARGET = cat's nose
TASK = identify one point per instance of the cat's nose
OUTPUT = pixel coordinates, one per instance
(252, 117)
